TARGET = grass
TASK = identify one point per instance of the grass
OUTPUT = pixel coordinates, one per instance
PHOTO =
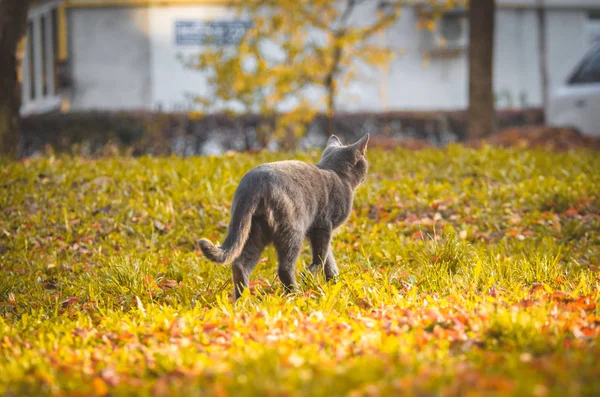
(462, 272)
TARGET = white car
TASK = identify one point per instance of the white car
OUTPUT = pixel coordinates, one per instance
(576, 104)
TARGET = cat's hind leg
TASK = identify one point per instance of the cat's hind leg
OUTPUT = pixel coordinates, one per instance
(331, 269)
(288, 244)
(243, 265)
(322, 255)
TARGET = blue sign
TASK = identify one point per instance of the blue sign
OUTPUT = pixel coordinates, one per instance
(210, 32)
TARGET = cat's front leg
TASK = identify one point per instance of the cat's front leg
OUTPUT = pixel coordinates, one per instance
(329, 267)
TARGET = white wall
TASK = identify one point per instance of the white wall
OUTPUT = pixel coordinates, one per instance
(567, 42)
(443, 84)
(409, 85)
(517, 79)
(171, 81)
(128, 58)
(110, 58)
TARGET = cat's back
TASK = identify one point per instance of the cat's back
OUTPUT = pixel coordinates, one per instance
(294, 176)
(287, 169)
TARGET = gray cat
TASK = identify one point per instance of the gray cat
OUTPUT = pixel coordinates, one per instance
(284, 202)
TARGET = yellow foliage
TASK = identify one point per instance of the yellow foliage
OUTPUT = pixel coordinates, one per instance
(196, 114)
(294, 45)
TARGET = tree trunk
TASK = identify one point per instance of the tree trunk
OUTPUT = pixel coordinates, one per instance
(13, 21)
(481, 55)
(330, 105)
(541, 19)
(331, 88)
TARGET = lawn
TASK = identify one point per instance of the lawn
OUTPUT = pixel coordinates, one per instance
(462, 272)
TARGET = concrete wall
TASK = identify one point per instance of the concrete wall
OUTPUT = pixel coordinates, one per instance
(171, 80)
(409, 84)
(110, 58)
(443, 84)
(126, 58)
(567, 43)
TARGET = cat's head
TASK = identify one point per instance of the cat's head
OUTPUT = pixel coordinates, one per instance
(348, 161)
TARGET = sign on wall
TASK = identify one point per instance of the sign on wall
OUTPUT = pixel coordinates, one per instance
(210, 32)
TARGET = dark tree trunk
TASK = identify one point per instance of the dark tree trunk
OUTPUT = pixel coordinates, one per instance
(331, 88)
(13, 21)
(333, 74)
(541, 18)
(330, 107)
(481, 55)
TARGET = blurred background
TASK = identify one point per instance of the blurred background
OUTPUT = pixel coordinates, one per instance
(197, 77)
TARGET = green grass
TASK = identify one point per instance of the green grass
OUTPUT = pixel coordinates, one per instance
(461, 272)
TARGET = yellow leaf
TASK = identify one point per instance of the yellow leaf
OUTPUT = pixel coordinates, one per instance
(196, 115)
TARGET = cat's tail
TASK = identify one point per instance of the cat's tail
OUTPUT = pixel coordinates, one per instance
(237, 234)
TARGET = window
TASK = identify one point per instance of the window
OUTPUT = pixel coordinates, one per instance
(588, 71)
(445, 35)
(39, 65)
(44, 59)
(30, 56)
(452, 27)
(593, 28)
(54, 40)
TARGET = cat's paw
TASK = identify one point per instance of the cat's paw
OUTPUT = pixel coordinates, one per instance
(315, 269)
(331, 274)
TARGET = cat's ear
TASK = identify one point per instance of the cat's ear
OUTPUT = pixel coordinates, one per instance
(361, 144)
(334, 141)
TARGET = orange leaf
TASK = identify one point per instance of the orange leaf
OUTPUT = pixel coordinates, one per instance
(583, 333)
(100, 387)
(571, 212)
(69, 301)
(513, 233)
(167, 284)
(417, 235)
(210, 326)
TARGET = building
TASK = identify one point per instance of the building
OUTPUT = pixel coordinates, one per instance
(125, 55)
